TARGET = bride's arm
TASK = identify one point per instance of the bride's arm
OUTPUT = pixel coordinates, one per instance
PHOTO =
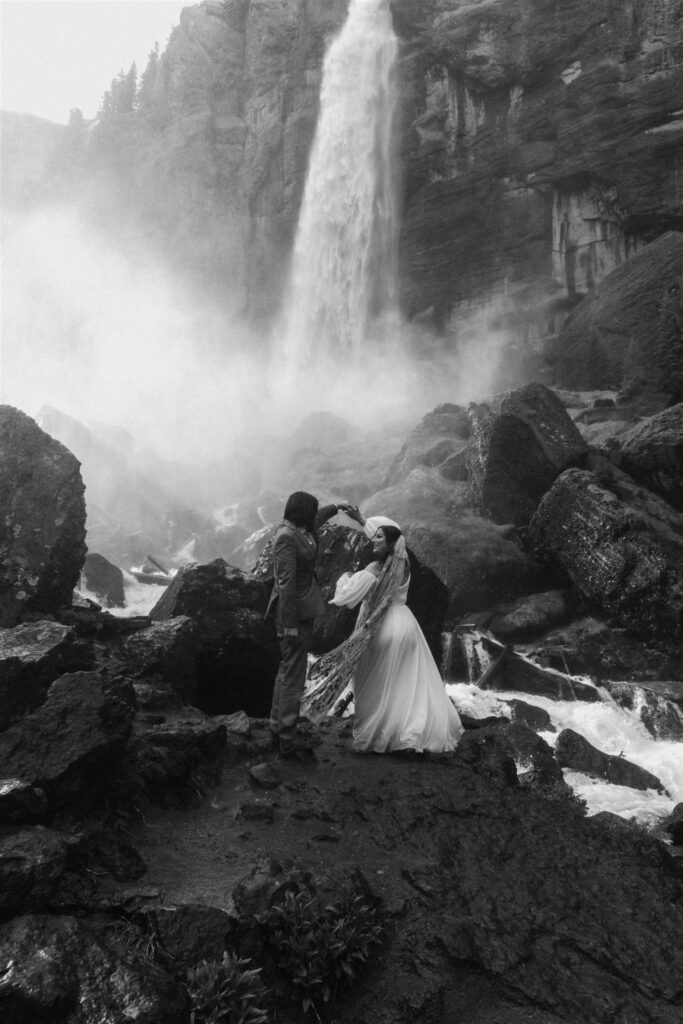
(352, 588)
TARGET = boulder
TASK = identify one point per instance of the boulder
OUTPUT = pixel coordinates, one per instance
(21, 803)
(190, 932)
(177, 757)
(54, 969)
(71, 743)
(481, 562)
(674, 825)
(652, 453)
(104, 580)
(628, 330)
(521, 441)
(532, 614)
(32, 863)
(574, 751)
(589, 646)
(534, 757)
(536, 718)
(169, 650)
(621, 546)
(661, 717)
(238, 653)
(33, 655)
(438, 440)
(42, 519)
(488, 752)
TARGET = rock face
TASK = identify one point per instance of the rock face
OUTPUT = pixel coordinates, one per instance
(54, 967)
(105, 580)
(238, 652)
(32, 655)
(652, 453)
(439, 440)
(574, 751)
(628, 330)
(68, 745)
(621, 546)
(520, 443)
(42, 519)
(169, 650)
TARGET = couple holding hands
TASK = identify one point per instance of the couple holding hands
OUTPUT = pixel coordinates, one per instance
(399, 696)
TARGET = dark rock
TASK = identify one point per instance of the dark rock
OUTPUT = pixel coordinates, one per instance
(32, 655)
(531, 614)
(42, 519)
(238, 649)
(178, 757)
(265, 775)
(190, 932)
(70, 744)
(54, 970)
(32, 863)
(168, 650)
(508, 670)
(674, 826)
(468, 722)
(256, 810)
(621, 547)
(521, 441)
(533, 754)
(487, 752)
(104, 580)
(238, 723)
(628, 330)
(439, 437)
(614, 822)
(574, 751)
(537, 718)
(652, 453)
(661, 718)
(21, 803)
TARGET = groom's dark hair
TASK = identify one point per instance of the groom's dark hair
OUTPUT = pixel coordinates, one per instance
(301, 509)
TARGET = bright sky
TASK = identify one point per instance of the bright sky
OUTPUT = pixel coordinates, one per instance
(59, 54)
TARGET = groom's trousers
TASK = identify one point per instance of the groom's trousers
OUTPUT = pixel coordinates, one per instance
(291, 679)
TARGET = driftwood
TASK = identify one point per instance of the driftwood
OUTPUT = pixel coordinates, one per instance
(512, 671)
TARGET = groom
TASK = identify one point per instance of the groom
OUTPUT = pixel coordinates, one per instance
(296, 601)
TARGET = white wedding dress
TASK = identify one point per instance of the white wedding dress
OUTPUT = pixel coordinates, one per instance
(400, 699)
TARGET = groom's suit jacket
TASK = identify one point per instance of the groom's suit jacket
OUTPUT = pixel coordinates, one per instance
(296, 594)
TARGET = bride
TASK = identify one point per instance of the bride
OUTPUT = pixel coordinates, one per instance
(400, 699)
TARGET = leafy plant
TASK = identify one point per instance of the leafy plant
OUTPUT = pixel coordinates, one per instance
(315, 949)
(226, 992)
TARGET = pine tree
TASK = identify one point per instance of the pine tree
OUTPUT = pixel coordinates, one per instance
(148, 78)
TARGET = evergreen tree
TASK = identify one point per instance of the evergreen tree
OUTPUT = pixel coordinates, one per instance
(148, 78)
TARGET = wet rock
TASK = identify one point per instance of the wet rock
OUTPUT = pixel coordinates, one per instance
(104, 580)
(534, 757)
(621, 546)
(487, 752)
(32, 655)
(71, 743)
(674, 826)
(531, 614)
(439, 439)
(238, 650)
(190, 932)
(176, 758)
(536, 718)
(628, 329)
(521, 441)
(168, 650)
(652, 453)
(574, 751)
(265, 775)
(661, 718)
(32, 863)
(589, 646)
(42, 519)
(54, 969)
(21, 803)
(238, 723)
(468, 722)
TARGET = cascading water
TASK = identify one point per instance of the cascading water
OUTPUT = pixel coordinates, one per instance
(344, 263)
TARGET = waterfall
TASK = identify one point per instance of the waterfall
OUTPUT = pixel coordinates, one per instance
(344, 263)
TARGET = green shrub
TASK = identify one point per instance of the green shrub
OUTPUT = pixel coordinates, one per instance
(316, 949)
(226, 992)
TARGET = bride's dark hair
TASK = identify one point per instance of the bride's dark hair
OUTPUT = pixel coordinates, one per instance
(391, 535)
(301, 509)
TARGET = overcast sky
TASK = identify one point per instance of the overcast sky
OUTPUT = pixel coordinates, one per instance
(59, 54)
